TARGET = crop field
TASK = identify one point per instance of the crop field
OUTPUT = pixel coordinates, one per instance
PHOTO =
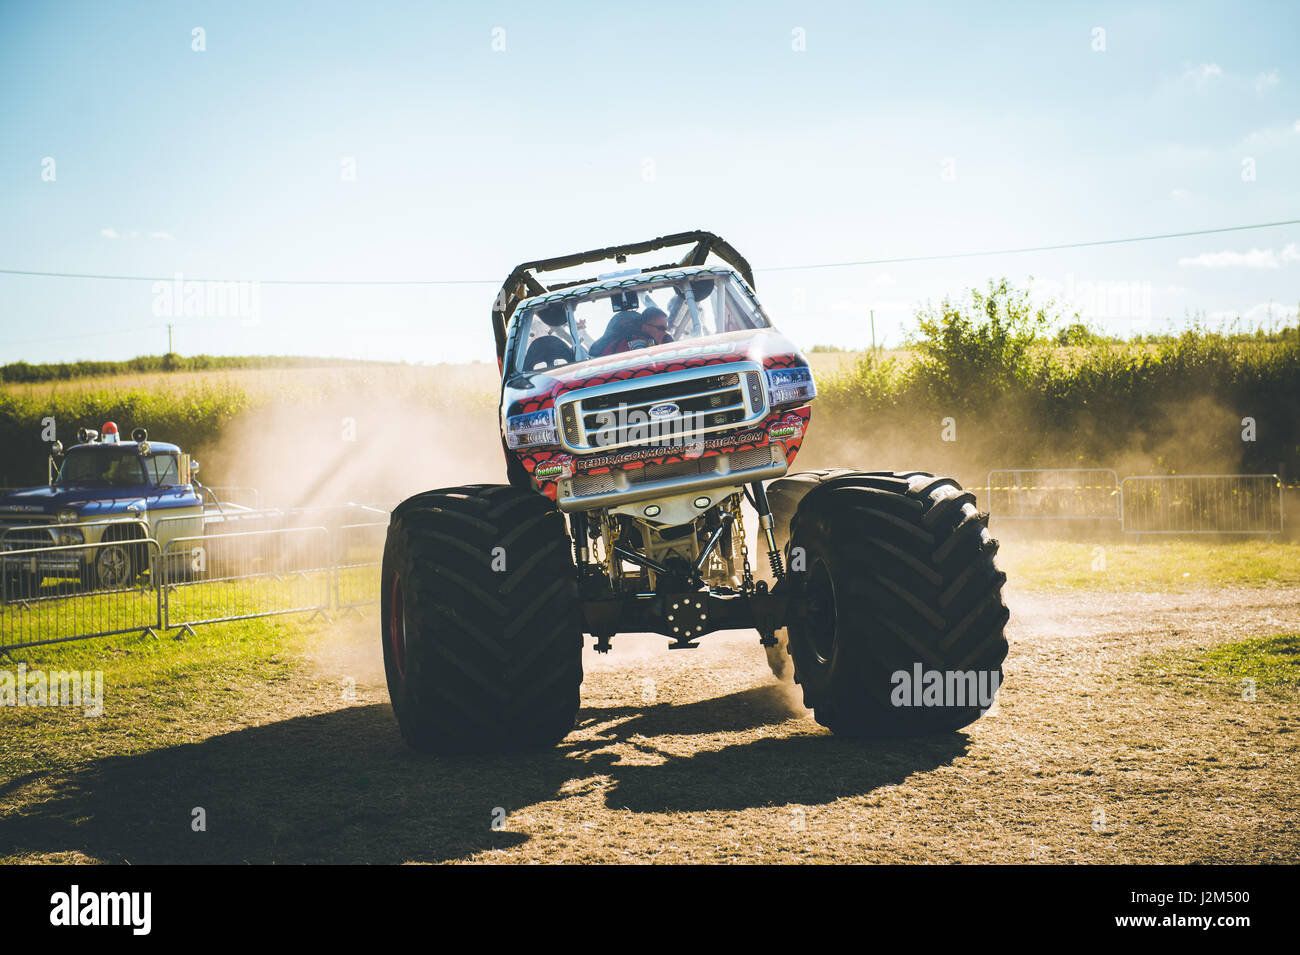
(1146, 716)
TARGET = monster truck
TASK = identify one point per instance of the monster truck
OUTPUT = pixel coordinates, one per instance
(639, 411)
(103, 492)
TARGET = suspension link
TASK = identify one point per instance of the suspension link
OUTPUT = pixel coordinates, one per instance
(766, 522)
(747, 574)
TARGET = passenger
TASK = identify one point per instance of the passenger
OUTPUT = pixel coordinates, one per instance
(653, 330)
(620, 326)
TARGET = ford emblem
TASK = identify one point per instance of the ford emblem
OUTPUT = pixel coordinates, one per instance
(665, 410)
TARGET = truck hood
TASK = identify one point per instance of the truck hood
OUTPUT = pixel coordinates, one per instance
(536, 390)
(87, 500)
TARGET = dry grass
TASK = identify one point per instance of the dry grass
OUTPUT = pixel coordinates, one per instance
(1173, 565)
(1107, 745)
(280, 383)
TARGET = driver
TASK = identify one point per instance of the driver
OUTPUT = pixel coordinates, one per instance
(653, 330)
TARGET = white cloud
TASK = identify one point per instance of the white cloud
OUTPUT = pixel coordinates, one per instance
(1180, 193)
(884, 279)
(114, 234)
(1266, 81)
(1296, 127)
(1265, 138)
(1202, 77)
(1203, 72)
(1254, 259)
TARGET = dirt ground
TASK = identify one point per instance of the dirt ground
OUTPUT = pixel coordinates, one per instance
(1094, 753)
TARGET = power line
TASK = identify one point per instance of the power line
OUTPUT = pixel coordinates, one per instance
(172, 278)
(70, 338)
(779, 268)
(1037, 248)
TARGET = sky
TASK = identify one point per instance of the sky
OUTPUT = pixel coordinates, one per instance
(276, 142)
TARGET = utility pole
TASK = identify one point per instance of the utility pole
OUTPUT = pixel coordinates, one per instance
(169, 338)
(873, 331)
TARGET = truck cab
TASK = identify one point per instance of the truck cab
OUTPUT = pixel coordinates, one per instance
(108, 494)
(662, 384)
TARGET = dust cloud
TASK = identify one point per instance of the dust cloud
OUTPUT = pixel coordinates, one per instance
(378, 437)
(1195, 435)
(373, 437)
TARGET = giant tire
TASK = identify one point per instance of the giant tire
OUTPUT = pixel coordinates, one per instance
(482, 626)
(783, 496)
(897, 570)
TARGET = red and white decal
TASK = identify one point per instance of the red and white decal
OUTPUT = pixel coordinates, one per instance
(554, 468)
(788, 428)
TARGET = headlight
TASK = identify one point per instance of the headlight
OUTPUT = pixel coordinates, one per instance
(66, 515)
(532, 430)
(790, 385)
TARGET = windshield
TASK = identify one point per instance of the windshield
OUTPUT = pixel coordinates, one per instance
(116, 467)
(163, 469)
(613, 321)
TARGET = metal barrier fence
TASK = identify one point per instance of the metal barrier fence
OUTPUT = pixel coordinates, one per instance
(249, 497)
(357, 552)
(221, 577)
(1202, 504)
(1054, 494)
(50, 595)
(56, 593)
(49, 534)
(254, 563)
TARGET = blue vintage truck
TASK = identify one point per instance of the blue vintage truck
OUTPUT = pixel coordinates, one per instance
(105, 492)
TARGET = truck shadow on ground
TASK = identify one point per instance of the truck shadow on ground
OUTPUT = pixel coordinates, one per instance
(342, 787)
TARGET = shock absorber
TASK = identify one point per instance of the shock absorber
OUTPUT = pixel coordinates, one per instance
(766, 523)
(578, 531)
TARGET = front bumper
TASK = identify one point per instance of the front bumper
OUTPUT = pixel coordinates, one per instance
(48, 548)
(733, 468)
(53, 563)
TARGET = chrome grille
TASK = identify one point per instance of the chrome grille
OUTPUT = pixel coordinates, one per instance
(686, 404)
(585, 485)
(755, 390)
(21, 538)
(753, 458)
(24, 517)
(569, 420)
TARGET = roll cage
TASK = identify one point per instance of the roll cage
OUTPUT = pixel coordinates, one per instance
(524, 282)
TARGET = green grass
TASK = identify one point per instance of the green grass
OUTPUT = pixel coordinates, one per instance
(1269, 661)
(1265, 669)
(158, 691)
(1155, 566)
(54, 617)
(24, 373)
(160, 688)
